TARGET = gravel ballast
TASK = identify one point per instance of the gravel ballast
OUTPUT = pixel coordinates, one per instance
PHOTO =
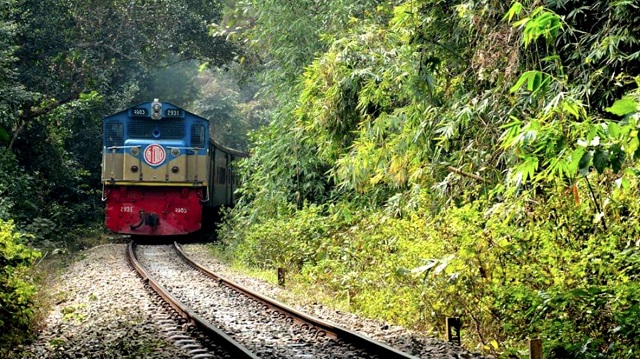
(268, 334)
(406, 340)
(103, 310)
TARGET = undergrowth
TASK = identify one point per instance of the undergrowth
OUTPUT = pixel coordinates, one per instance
(25, 274)
(511, 271)
(17, 291)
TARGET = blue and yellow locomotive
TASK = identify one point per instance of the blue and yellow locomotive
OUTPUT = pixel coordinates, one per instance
(159, 168)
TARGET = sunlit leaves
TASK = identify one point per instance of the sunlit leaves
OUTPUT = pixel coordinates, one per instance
(568, 149)
(623, 107)
(576, 141)
(540, 22)
(16, 290)
(535, 80)
(458, 103)
(514, 11)
(525, 170)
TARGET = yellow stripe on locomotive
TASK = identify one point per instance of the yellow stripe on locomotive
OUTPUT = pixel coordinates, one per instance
(127, 168)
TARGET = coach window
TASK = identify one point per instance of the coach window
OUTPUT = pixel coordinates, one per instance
(222, 175)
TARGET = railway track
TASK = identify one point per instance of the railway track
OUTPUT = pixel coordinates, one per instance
(247, 324)
(191, 317)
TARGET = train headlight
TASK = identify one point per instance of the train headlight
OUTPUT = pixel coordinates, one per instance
(175, 169)
(134, 168)
(135, 151)
(156, 110)
(175, 152)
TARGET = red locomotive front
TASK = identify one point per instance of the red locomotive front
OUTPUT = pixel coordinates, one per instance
(159, 211)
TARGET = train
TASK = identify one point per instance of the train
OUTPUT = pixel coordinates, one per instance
(161, 171)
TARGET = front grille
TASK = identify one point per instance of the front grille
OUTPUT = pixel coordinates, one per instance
(113, 133)
(163, 129)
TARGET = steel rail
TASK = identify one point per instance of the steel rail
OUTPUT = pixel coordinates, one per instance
(234, 348)
(331, 330)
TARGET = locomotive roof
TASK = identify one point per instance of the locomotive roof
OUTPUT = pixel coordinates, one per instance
(229, 150)
(147, 105)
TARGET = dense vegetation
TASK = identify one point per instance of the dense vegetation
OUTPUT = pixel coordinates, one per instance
(16, 292)
(64, 65)
(436, 158)
(420, 159)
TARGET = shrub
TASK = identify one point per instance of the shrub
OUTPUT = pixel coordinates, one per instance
(524, 268)
(16, 290)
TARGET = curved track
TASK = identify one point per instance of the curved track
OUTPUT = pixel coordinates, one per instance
(331, 330)
(249, 320)
(220, 337)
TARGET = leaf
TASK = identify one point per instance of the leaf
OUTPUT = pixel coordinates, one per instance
(441, 267)
(616, 158)
(534, 81)
(623, 107)
(614, 129)
(576, 157)
(525, 77)
(572, 108)
(600, 160)
(585, 161)
(598, 217)
(515, 10)
(4, 136)
(430, 264)
(622, 182)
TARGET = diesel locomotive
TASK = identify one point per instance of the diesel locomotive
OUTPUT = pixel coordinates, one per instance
(160, 170)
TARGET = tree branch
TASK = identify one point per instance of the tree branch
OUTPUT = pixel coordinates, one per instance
(28, 113)
(85, 45)
(466, 174)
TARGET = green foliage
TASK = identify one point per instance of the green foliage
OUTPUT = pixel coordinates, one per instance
(514, 271)
(568, 149)
(563, 137)
(230, 108)
(289, 34)
(16, 290)
(290, 240)
(15, 188)
(273, 188)
(79, 61)
(457, 158)
(282, 38)
(12, 92)
(392, 106)
(541, 22)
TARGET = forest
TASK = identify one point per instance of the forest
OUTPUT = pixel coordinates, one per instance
(417, 159)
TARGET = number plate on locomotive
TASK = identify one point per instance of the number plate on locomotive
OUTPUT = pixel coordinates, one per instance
(139, 112)
(170, 112)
